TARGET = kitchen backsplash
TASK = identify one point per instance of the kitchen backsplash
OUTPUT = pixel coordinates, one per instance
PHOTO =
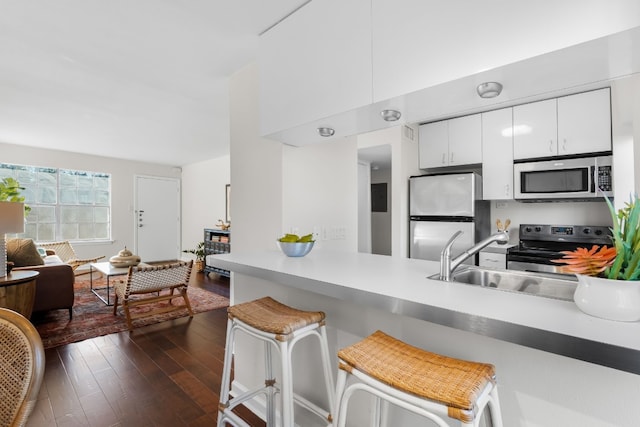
(569, 213)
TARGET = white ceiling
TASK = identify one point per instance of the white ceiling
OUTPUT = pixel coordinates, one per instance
(144, 79)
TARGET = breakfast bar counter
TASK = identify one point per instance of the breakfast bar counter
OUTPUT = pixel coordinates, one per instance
(400, 286)
(555, 364)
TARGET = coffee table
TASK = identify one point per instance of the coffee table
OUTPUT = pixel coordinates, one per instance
(108, 271)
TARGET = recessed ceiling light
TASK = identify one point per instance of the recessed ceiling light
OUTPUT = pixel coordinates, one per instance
(390, 115)
(326, 132)
(489, 89)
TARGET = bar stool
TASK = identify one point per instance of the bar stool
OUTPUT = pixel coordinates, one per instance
(428, 384)
(282, 327)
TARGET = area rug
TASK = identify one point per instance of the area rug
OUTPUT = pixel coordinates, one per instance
(92, 318)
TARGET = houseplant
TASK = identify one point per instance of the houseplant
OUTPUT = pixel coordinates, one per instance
(200, 254)
(10, 191)
(609, 277)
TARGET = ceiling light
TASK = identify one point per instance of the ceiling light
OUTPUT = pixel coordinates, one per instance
(489, 89)
(390, 115)
(326, 132)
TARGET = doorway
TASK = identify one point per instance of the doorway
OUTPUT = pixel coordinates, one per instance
(157, 218)
(376, 218)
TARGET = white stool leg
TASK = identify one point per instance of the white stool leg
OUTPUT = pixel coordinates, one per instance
(494, 408)
(269, 384)
(340, 386)
(226, 370)
(287, 384)
(375, 412)
(328, 372)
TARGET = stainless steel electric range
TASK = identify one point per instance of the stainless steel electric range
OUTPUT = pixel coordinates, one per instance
(539, 244)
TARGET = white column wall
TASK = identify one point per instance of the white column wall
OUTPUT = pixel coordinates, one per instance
(256, 169)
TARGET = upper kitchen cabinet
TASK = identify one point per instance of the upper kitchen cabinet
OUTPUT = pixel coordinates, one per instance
(315, 63)
(535, 128)
(434, 145)
(497, 155)
(451, 142)
(584, 122)
(574, 124)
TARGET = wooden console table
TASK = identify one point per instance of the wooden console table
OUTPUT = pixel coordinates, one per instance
(18, 291)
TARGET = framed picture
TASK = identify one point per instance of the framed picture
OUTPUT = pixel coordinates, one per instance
(227, 190)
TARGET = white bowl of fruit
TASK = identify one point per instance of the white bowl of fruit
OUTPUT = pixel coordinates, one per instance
(295, 246)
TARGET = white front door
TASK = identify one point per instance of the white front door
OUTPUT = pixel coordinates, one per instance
(157, 218)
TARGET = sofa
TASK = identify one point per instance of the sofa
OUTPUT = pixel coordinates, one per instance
(54, 284)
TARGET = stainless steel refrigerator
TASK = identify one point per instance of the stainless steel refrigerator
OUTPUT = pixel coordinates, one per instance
(440, 205)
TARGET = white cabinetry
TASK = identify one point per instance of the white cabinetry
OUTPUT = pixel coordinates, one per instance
(314, 64)
(584, 122)
(434, 145)
(573, 124)
(492, 260)
(451, 142)
(535, 128)
(497, 155)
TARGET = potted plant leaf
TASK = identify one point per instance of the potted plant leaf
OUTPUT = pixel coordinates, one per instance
(609, 277)
(11, 191)
(200, 254)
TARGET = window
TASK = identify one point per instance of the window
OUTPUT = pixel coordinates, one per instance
(65, 204)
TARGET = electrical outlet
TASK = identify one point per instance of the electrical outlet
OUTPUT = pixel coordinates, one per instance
(501, 205)
(325, 233)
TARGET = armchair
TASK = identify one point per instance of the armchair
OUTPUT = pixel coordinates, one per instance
(65, 251)
(22, 363)
(54, 285)
(144, 285)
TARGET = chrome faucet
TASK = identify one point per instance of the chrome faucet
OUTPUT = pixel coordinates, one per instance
(448, 265)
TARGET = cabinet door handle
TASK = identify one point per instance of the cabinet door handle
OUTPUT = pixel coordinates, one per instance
(443, 158)
(451, 158)
(564, 144)
(551, 145)
(506, 190)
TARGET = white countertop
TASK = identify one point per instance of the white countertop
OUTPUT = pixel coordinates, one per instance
(400, 285)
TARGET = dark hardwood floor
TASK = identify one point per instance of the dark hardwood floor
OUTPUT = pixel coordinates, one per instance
(166, 374)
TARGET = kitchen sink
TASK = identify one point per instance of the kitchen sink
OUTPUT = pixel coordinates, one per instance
(540, 284)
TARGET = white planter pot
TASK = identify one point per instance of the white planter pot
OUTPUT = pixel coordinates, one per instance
(608, 299)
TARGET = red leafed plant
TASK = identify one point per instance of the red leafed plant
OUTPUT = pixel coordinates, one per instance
(591, 262)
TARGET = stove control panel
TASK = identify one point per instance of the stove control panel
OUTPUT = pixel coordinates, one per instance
(595, 234)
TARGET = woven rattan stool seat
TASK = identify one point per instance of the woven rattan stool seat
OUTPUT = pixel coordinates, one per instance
(452, 382)
(269, 315)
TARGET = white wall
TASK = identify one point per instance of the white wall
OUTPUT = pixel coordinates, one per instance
(320, 193)
(203, 198)
(256, 170)
(122, 188)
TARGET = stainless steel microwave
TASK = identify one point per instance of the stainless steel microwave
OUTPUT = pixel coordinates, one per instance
(576, 178)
